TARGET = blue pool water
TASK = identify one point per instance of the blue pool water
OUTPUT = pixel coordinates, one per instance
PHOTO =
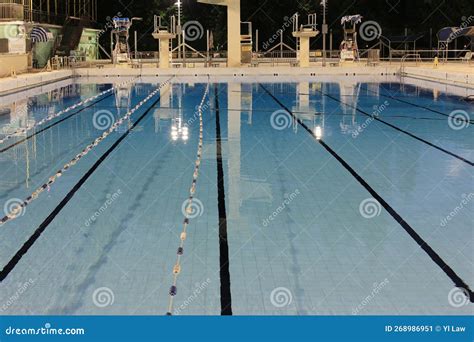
(325, 208)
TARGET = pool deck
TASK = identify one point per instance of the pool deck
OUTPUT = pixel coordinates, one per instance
(451, 74)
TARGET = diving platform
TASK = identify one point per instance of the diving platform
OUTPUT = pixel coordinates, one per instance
(234, 51)
(304, 33)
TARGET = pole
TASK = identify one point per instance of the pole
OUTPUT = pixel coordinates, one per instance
(325, 31)
(112, 47)
(330, 41)
(256, 40)
(136, 44)
(207, 50)
(178, 3)
(281, 43)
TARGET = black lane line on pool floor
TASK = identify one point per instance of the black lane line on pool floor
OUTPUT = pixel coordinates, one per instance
(42, 227)
(226, 298)
(400, 129)
(416, 105)
(54, 124)
(458, 282)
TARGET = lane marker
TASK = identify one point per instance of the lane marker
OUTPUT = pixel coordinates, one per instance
(14, 212)
(52, 125)
(458, 282)
(188, 209)
(400, 129)
(226, 297)
(416, 105)
(64, 111)
(42, 227)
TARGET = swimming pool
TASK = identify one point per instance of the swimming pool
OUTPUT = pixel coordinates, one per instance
(312, 198)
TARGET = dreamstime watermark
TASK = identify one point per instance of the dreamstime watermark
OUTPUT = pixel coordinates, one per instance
(200, 287)
(370, 208)
(281, 297)
(370, 30)
(196, 114)
(281, 120)
(465, 22)
(287, 22)
(193, 209)
(466, 199)
(111, 198)
(109, 24)
(458, 297)
(22, 288)
(193, 30)
(103, 297)
(46, 330)
(366, 301)
(13, 31)
(286, 202)
(14, 207)
(103, 119)
(378, 109)
(458, 119)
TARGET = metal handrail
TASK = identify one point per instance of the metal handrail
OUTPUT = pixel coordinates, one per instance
(402, 66)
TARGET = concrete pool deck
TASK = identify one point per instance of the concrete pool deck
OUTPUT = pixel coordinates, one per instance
(455, 74)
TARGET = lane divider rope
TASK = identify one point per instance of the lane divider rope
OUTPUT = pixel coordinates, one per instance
(17, 209)
(64, 111)
(177, 267)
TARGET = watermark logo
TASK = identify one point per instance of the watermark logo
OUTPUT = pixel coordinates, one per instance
(10, 31)
(378, 110)
(287, 22)
(103, 119)
(370, 208)
(458, 119)
(192, 209)
(14, 207)
(193, 30)
(466, 199)
(22, 288)
(458, 297)
(103, 297)
(109, 24)
(370, 30)
(466, 22)
(366, 301)
(281, 120)
(288, 199)
(111, 198)
(281, 297)
(199, 288)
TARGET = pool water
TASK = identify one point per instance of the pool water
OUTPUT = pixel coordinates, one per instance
(313, 198)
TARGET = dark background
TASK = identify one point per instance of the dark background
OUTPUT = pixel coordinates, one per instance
(268, 16)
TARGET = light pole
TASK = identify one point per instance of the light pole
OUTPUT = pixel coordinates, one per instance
(178, 4)
(324, 29)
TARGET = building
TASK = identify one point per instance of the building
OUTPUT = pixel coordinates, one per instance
(68, 27)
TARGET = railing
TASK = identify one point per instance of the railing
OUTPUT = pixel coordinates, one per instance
(416, 56)
(11, 11)
(159, 26)
(279, 57)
